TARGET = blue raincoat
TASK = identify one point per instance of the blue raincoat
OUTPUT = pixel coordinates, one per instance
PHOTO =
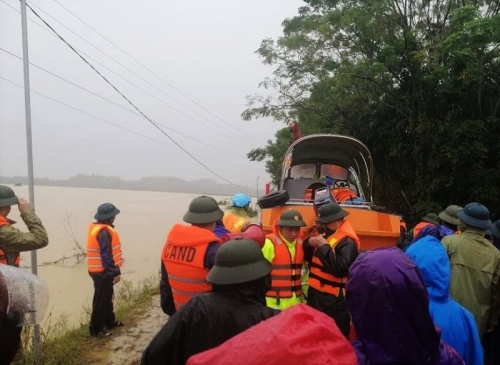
(220, 230)
(458, 327)
(389, 306)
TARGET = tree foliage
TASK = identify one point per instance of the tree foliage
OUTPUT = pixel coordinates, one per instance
(417, 81)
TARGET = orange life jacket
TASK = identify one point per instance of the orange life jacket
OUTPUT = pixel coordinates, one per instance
(319, 278)
(94, 260)
(5, 258)
(287, 270)
(234, 223)
(183, 257)
(418, 228)
(343, 194)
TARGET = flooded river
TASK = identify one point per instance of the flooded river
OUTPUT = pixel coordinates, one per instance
(144, 221)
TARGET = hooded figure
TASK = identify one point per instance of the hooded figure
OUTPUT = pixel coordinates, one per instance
(457, 324)
(240, 280)
(389, 306)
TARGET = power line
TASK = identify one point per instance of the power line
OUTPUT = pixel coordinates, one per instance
(223, 131)
(146, 68)
(140, 77)
(72, 83)
(128, 100)
(97, 117)
(103, 98)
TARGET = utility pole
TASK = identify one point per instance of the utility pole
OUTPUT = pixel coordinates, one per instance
(257, 186)
(29, 145)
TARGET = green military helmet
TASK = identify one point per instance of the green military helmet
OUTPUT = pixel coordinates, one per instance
(203, 210)
(7, 197)
(238, 261)
(291, 218)
(331, 212)
(449, 215)
(431, 218)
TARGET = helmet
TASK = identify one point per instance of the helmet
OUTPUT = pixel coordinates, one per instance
(202, 210)
(331, 212)
(7, 196)
(238, 261)
(495, 229)
(449, 215)
(431, 218)
(475, 215)
(291, 218)
(240, 200)
(106, 211)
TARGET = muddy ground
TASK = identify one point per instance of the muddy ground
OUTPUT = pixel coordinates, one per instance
(126, 345)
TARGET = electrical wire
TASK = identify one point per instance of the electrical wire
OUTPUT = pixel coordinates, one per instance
(144, 67)
(209, 127)
(110, 101)
(100, 118)
(243, 138)
(128, 100)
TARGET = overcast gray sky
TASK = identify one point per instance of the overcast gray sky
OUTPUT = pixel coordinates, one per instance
(205, 49)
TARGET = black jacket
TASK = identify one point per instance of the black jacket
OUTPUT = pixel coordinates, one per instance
(336, 262)
(208, 320)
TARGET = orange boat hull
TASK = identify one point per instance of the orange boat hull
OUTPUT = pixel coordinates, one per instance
(374, 229)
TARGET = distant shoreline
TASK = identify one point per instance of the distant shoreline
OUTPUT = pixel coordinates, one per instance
(154, 184)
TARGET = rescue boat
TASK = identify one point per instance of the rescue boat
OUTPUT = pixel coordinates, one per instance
(342, 167)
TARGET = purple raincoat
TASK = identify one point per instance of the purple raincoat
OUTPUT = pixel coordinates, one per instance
(389, 306)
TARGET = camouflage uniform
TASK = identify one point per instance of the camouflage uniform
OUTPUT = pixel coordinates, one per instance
(12, 240)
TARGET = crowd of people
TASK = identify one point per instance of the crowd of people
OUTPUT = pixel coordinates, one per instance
(434, 299)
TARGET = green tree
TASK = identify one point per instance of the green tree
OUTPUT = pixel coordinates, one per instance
(418, 82)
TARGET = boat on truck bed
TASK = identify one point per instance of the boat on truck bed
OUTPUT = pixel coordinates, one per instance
(342, 167)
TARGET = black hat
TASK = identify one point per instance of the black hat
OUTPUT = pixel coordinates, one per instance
(106, 211)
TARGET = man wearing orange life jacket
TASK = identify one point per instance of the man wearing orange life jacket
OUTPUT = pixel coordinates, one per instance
(283, 249)
(12, 240)
(104, 259)
(189, 253)
(430, 219)
(329, 260)
(235, 219)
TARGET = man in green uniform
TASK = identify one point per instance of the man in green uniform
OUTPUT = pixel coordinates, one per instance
(12, 240)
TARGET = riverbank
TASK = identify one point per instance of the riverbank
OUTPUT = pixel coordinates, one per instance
(137, 306)
(126, 345)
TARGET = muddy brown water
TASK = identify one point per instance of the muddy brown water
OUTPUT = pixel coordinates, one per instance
(143, 224)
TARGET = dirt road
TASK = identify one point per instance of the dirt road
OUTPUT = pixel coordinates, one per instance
(126, 345)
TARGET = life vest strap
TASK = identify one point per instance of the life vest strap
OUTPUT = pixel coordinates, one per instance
(320, 267)
(293, 288)
(324, 281)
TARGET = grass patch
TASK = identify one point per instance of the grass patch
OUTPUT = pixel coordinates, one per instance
(62, 345)
(252, 212)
